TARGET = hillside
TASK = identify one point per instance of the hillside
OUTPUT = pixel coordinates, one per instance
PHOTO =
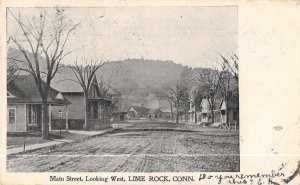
(135, 78)
(140, 75)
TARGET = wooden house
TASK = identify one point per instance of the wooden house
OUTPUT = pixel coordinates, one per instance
(183, 116)
(205, 112)
(155, 114)
(160, 105)
(192, 111)
(137, 112)
(227, 113)
(99, 112)
(24, 104)
(166, 113)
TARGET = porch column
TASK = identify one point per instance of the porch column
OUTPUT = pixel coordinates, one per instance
(67, 125)
(50, 119)
(25, 116)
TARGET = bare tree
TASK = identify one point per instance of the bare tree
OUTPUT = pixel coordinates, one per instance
(171, 108)
(208, 81)
(232, 65)
(85, 73)
(225, 77)
(11, 71)
(11, 68)
(229, 72)
(104, 84)
(177, 94)
(47, 38)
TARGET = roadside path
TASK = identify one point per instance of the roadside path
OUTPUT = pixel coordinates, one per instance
(55, 142)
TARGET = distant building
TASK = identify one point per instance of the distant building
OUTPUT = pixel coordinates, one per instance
(188, 112)
(205, 112)
(137, 112)
(160, 105)
(232, 106)
(192, 111)
(24, 104)
(167, 114)
(155, 114)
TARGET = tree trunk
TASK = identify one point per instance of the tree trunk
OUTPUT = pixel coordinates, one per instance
(177, 115)
(177, 118)
(226, 101)
(172, 113)
(212, 116)
(212, 111)
(226, 109)
(45, 123)
(86, 114)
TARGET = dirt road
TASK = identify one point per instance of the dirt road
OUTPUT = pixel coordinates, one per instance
(143, 147)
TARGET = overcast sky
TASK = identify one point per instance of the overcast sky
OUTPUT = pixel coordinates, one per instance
(191, 36)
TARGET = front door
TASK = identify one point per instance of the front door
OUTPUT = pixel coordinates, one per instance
(33, 116)
(93, 108)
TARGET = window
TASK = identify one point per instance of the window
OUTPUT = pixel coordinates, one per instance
(12, 116)
(32, 114)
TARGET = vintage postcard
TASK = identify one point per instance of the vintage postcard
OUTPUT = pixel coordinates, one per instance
(140, 92)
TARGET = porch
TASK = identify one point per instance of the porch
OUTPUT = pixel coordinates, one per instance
(221, 119)
(98, 114)
(33, 119)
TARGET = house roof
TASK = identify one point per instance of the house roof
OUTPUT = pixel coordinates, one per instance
(113, 91)
(66, 83)
(24, 90)
(153, 111)
(205, 101)
(205, 106)
(166, 109)
(140, 110)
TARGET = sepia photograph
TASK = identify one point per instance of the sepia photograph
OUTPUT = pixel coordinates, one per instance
(122, 89)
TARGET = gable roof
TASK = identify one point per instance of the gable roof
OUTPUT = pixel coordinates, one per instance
(66, 83)
(24, 90)
(166, 109)
(113, 91)
(140, 110)
(153, 111)
(205, 101)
